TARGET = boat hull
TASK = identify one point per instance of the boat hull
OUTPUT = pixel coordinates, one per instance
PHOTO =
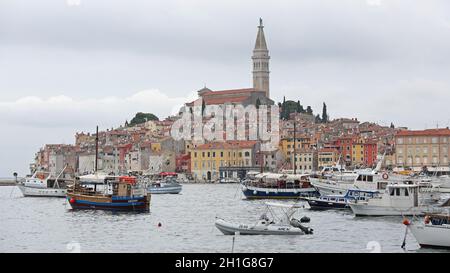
(41, 192)
(431, 235)
(270, 193)
(317, 204)
(362, 209)
(134, 203)
(165, 190)
(231, 229)
(326, 188)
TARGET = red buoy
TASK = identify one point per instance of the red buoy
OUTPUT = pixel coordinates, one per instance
(72, 200)
(406, 222)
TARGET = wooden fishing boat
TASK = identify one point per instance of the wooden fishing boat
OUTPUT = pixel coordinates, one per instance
(122, 193)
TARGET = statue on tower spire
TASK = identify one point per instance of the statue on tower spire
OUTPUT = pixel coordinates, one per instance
(260, 22)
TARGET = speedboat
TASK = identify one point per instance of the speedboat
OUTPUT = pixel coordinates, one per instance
(339, 201)
(283, 225)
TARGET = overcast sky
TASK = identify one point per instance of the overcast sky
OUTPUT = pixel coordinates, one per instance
(68, 65)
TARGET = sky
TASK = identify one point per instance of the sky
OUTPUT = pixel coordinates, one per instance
(69, 65)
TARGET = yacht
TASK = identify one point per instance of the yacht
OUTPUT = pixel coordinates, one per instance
(398, 199)
(44, 184)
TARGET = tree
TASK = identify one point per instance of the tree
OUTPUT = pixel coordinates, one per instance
(392, 126)
(283, 108)
(140, 118)
(324, 113)
(318, 119)
(203, 106)
(309, 110)
(300, 107)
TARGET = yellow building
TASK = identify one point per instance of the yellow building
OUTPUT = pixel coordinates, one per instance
(206, 159)
(358, 153)
(287, 146)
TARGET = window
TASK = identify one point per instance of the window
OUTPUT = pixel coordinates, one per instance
(400, 140)
(435, 150)
(221, 154)
(247, 153)
(214, 154)
(397, 191)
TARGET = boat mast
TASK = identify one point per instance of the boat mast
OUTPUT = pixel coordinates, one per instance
(96, 151)
(293, 161)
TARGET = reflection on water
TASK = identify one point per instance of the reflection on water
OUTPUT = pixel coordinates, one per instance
(187, 225)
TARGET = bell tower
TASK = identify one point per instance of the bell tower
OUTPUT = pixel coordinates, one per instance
(261, 62)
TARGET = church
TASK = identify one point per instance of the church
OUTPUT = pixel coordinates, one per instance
(245, 96)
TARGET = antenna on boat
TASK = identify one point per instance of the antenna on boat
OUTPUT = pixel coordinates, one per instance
(96, 151)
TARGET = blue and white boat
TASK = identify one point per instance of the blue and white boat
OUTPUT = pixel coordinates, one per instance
(167, 184)
(336, 201)
(278, 186)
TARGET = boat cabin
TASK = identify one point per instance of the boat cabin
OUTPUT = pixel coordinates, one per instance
(280, 181)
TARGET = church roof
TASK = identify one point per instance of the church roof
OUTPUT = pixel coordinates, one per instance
(225, 96)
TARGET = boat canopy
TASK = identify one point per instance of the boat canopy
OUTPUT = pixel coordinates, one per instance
(97, 178)
(270, 175)
(295, 176)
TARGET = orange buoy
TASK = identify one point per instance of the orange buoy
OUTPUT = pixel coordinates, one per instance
(406, 222)
(72, 200)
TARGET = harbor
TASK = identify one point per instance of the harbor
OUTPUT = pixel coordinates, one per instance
(225, 128)
(185, 223)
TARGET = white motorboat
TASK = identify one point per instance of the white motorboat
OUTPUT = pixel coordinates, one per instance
(434, 231)
(166, 184)
(428, 193)
(277, 225)
(43, 184)
(396, 200)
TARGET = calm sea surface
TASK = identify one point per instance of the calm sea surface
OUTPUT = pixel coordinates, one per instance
(48, 225)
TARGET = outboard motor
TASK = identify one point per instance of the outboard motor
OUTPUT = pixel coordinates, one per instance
(297, 223)
(305, 219)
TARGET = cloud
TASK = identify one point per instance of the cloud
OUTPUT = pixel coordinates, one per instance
(373, 2)
(65, 111)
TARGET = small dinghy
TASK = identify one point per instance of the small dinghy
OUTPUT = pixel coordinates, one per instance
(278, 225)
